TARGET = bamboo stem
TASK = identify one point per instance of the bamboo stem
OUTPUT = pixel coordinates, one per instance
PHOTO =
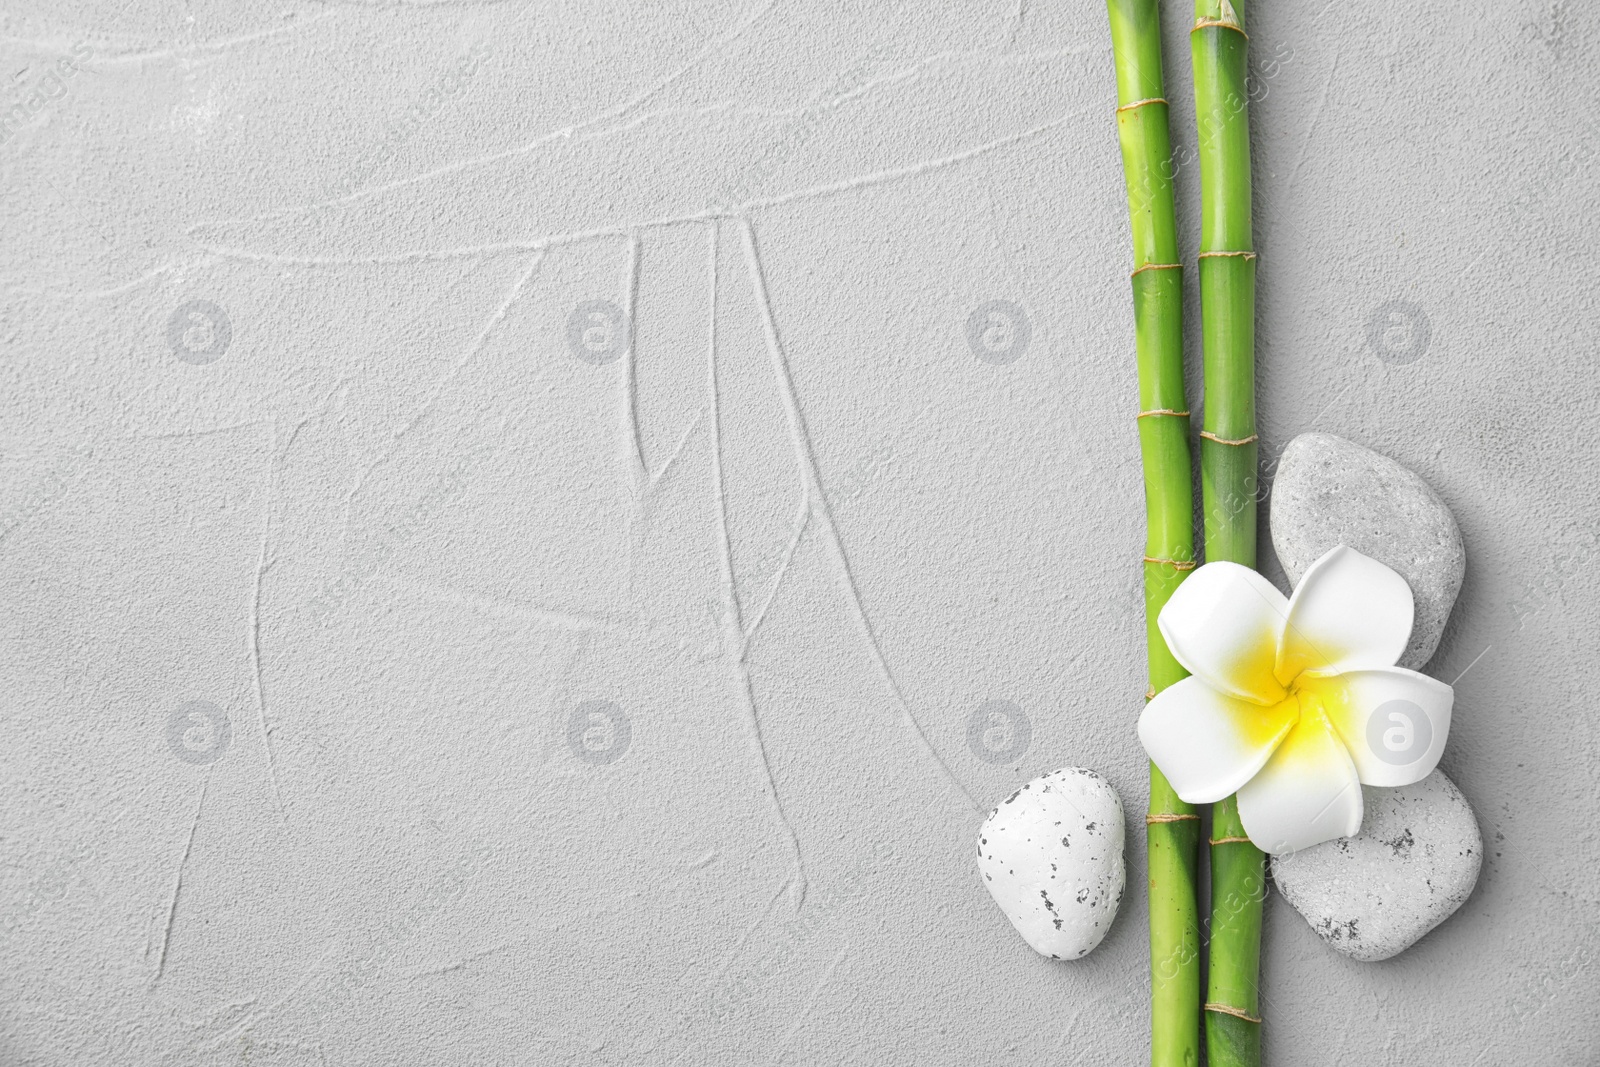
(1172, 827)
(1227, 267)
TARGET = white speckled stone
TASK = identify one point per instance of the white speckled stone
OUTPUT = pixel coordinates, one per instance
(1051, 856)
(1330, 491)
(1413, 864)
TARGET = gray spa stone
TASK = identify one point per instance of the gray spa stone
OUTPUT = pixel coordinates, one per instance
(1330, 491)
(1051, 856)
(1413, 864)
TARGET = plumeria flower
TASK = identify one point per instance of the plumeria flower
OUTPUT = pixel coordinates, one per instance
(1294, 703)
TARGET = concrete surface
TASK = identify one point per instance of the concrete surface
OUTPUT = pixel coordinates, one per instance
(398, 666)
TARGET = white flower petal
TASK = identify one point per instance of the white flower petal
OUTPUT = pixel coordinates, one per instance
(1207, 743)
(1223, 624)
(1393, 721)
(1307, 793)
(1348, 611)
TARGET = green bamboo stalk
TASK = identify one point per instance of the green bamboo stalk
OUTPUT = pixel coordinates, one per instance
(1172, 827)
(1218, 45)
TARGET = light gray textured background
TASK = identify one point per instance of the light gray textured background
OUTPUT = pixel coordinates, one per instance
(399, 536)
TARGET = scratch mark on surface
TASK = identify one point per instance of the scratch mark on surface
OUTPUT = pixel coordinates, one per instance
(547, 241)
(1337, 396)
(703, 861)
(611, 122)
(498, 250)
(732, 109)
(981, 59)
(715, 46)
(913, 170)
(631, 367)
(125, 287)
(801, 521)
(427, 255)
(620, 111)
(631, 443)
(243, 1026)
(478, 342)
(1070, 1029)
(471, 353)
(694, 424)
(173, 435)
(1473, 664)
(1473, 262)
(263, 564)
(821, 103)
(105, 56)
(750, 931)
(177, 880)
(733, 641)
(786, 1046)
(820, 510)
(510, 609)
(350, 422)
(1316, 116)
(665, 639)
(219, 1011)
(462, 963)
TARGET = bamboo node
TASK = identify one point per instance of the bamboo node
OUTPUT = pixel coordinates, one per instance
(1200, 24)
(1141, 103)
(1178, 564)
(1237, 1013)
(1209, 436)
(1162, 411)
(1168, 816)
(1155, 266)
(1216, 255)
(1230, 840)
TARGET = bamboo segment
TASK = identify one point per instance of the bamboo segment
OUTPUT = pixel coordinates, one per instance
(1227, 269)
(1172, 827)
